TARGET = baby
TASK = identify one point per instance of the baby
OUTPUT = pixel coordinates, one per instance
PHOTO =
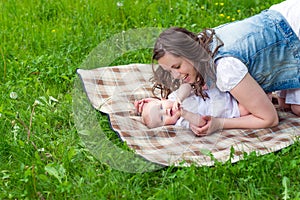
(183, 107)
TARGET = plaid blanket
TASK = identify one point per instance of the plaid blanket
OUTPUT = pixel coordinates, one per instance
(112, 90)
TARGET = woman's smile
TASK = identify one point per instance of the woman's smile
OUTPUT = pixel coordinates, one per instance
(178, 67)
(185, 79)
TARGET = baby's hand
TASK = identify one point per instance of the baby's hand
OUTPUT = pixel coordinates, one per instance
(177, 104)
(139, 104)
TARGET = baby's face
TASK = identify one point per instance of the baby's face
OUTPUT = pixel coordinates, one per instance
(159, 113)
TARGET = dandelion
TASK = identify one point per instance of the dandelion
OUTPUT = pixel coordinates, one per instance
(53, 31)
(221, 4)
(119, 4)
(216, 4)
(202, 7)
(238, 11)
(13, 95)
(228, 17)
(221, 15)
(233, 19)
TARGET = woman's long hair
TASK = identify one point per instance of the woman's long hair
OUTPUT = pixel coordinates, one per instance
(183, 43)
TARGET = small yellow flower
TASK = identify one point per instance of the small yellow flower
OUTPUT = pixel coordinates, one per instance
(202, 7)
(221, 15)
(216, 4)
(238, 11)
(53, 31)
(221, 4)
(233, 19)
(228, 17)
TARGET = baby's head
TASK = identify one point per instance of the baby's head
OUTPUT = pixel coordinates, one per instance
(158, 113)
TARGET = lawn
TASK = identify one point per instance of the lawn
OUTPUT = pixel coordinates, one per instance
(42, 155)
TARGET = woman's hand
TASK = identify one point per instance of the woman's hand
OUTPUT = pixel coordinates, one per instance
(212, 125)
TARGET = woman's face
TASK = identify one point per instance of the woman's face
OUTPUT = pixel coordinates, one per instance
(179, 67)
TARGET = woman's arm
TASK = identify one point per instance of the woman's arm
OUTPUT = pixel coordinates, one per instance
(254, 99)
(263, 113)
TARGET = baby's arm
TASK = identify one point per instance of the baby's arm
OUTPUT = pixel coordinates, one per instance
(193, 118)
(182, 92)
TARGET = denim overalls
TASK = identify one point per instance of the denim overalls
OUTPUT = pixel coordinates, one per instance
(267, 45)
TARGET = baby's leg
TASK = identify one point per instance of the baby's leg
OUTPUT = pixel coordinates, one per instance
(281, 97)
(291, 99)
(295, 109)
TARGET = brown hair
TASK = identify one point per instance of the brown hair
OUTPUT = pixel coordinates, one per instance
(183, 43)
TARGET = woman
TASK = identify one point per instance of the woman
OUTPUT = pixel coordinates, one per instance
(248, 58)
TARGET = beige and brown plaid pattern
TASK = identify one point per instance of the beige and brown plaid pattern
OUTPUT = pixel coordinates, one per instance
(112, 90)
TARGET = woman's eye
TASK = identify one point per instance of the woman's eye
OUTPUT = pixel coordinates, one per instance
(177, 67)
(161, 118)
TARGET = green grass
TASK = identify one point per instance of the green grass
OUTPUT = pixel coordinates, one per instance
(42, 44)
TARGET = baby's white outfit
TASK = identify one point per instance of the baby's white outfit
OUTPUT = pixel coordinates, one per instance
(218, 104)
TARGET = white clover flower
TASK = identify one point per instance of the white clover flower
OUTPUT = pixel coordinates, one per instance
(37, 102)
(15, 128)
(13, 95)
(119, 4)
